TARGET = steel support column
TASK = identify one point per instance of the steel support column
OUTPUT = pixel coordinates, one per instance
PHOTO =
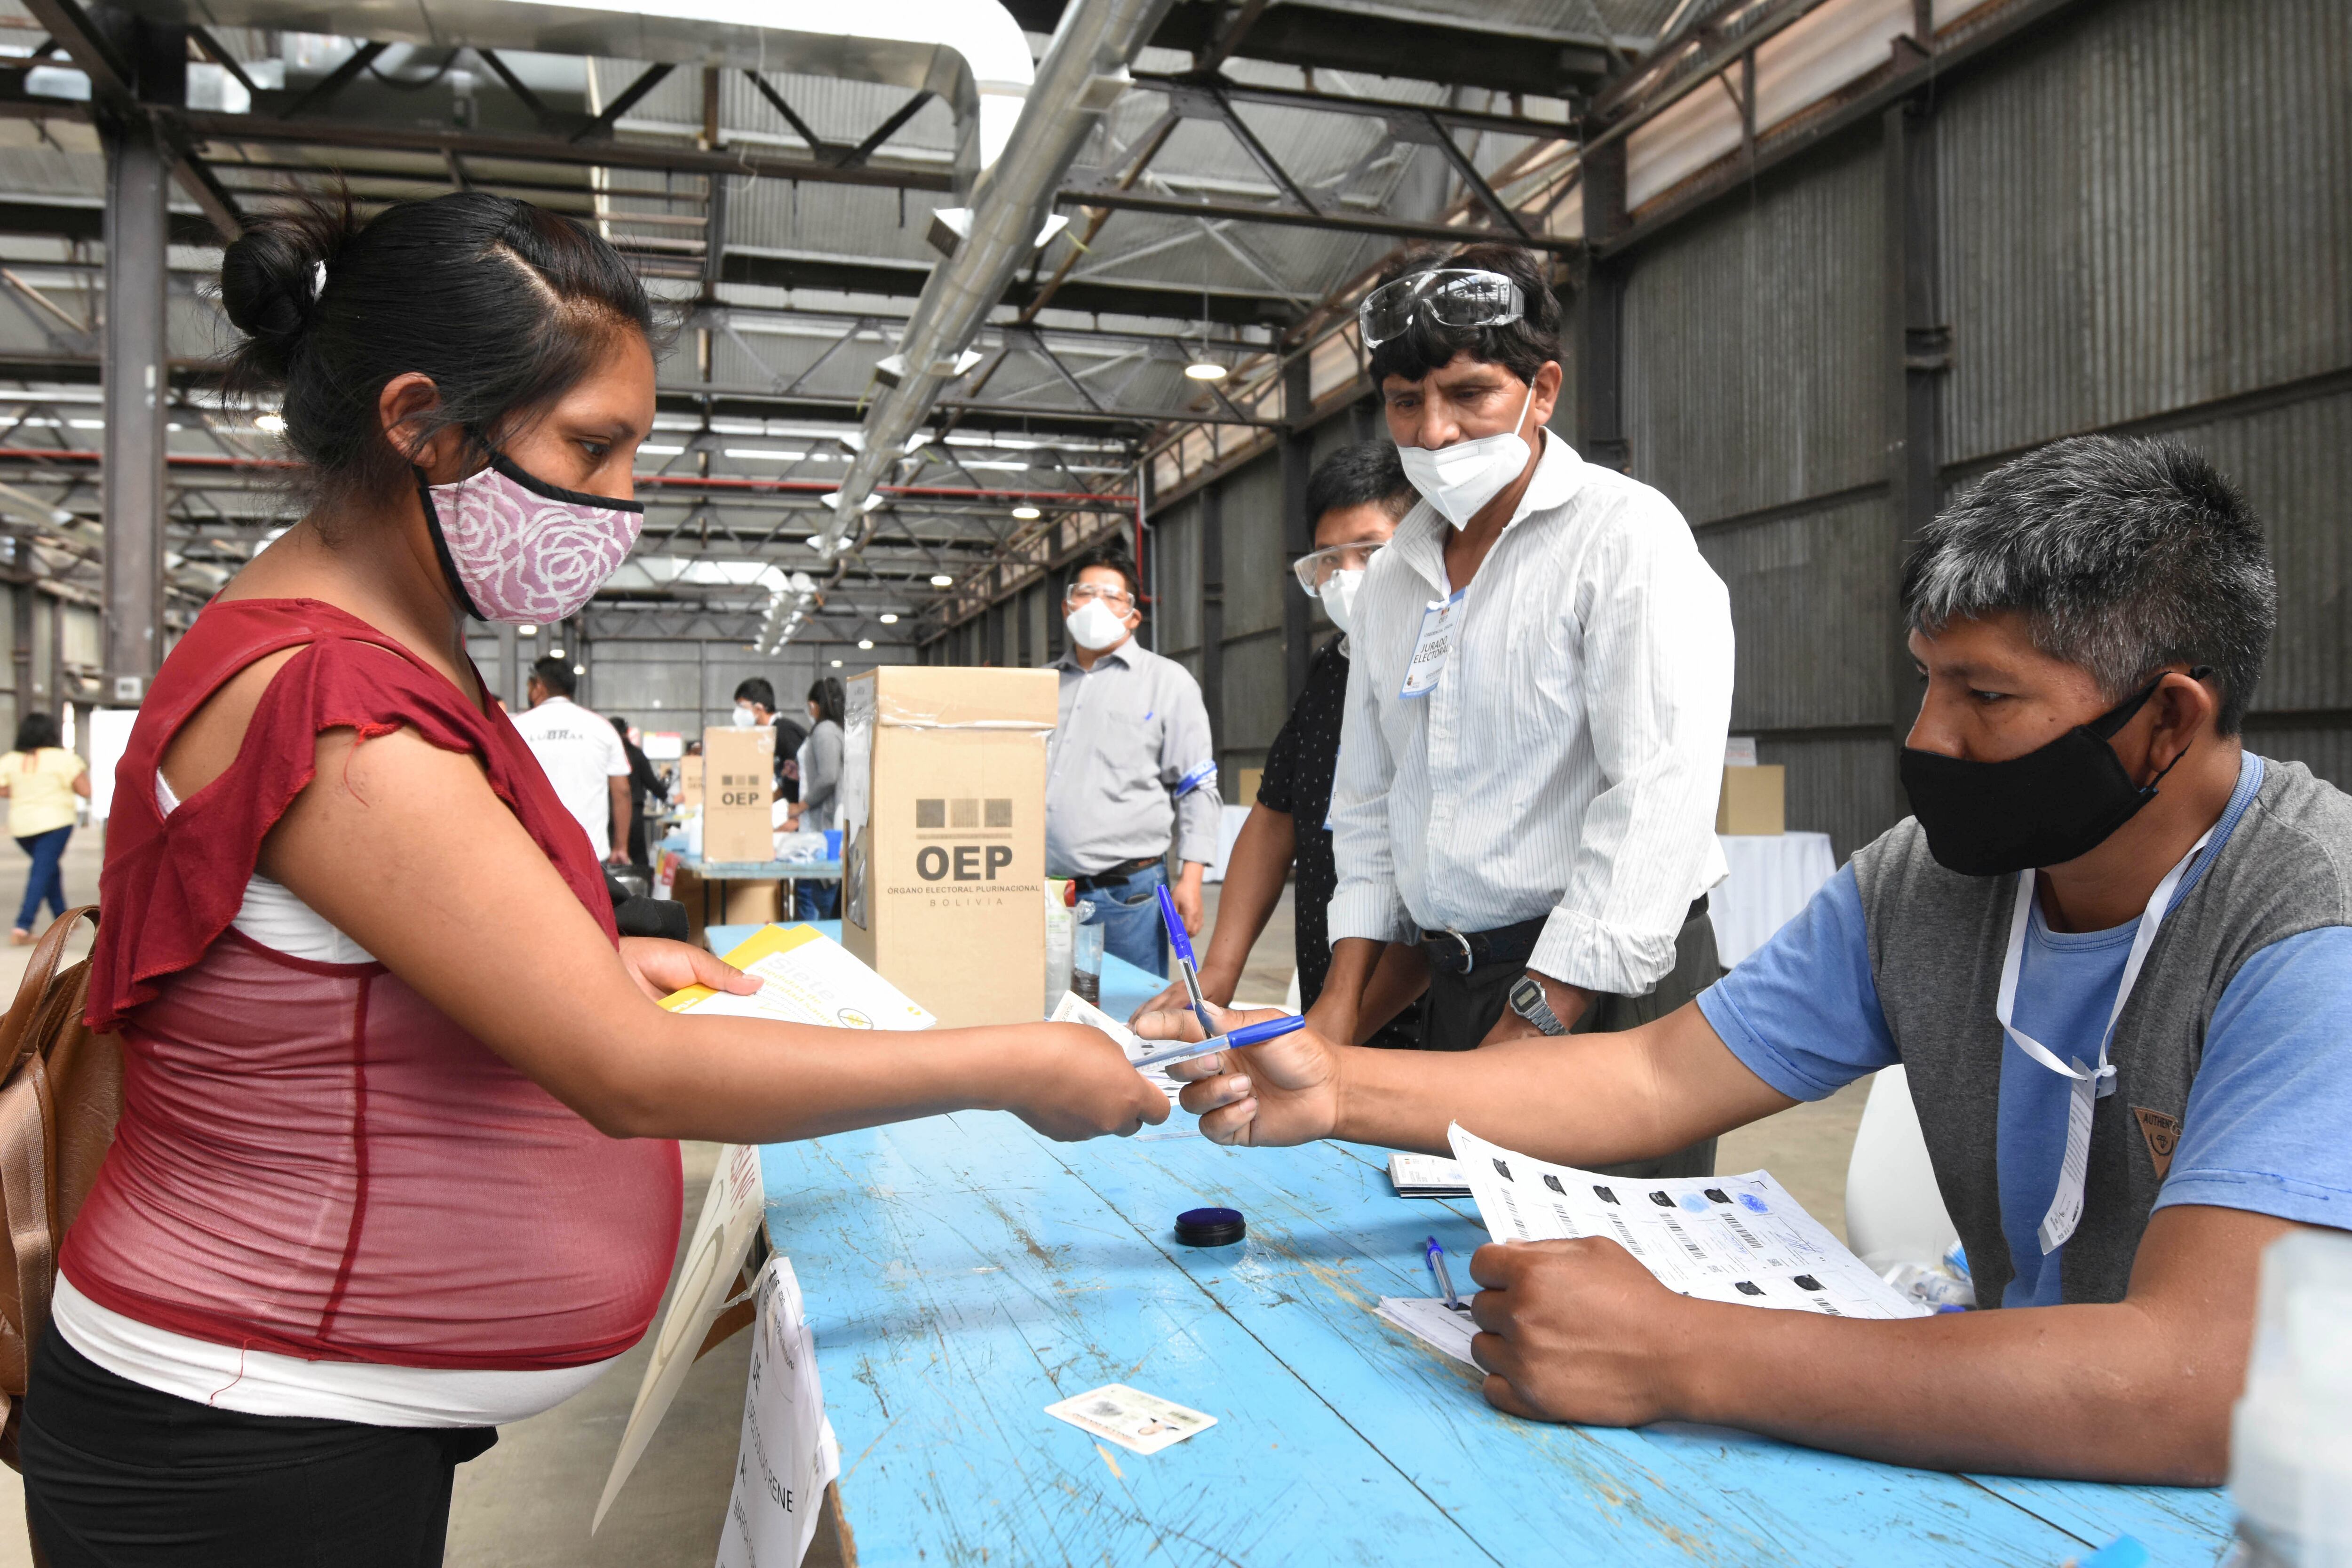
(1918, 344)
(1297, 528)
(509, 689)
(1601, 316)
(1213, 614)
(135, 392)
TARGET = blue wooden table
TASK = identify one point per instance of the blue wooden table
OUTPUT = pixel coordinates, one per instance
(962, 1273)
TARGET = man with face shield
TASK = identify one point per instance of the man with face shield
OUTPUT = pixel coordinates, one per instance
(2113, 949)
(1355, 497)
(1130, 768)
(1533, 746)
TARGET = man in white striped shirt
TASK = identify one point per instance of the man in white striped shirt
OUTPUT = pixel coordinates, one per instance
(1533, 745)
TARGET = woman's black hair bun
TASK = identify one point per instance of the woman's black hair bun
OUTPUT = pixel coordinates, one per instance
(270, 278)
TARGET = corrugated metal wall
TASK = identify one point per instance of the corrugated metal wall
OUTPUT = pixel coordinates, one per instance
(2144, 213)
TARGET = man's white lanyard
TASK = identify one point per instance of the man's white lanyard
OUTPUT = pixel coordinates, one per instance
(2090, 1083)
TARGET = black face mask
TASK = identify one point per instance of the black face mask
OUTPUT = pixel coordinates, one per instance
(2044, 808)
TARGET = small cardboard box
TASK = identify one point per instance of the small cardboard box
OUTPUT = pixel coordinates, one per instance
(943, 830)
(1754, 800)
(739, 777)
(690, 782)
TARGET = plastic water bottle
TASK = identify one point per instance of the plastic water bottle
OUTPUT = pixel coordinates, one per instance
(2291, 1435)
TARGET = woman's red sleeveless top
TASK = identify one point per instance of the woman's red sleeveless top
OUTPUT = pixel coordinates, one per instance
(312, 1159)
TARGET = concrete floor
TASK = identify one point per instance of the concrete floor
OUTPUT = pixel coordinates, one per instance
(527, 1503)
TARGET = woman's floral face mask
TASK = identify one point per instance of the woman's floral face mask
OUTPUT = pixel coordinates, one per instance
(519, 549)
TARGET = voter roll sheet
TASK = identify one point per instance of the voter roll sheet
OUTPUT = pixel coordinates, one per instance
(1741, 1239)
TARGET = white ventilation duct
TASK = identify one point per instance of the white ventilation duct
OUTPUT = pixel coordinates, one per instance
(1083, 73)
(970, 53)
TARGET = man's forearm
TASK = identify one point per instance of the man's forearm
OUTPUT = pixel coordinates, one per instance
(1402, 975)
(2085, 1392)
(1353, 959)
(1578, 1100)
(1253, 878)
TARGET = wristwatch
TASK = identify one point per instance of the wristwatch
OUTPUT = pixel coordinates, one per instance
(1528, 1001)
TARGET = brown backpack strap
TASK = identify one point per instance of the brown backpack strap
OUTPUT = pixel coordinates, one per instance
(38, 972)
(25, 1122)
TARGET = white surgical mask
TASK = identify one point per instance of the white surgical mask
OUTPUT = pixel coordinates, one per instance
(744, 717)
(1096, 626)
(1459, 480)
(1338, 595)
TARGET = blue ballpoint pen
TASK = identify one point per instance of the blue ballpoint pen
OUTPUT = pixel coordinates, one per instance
(1246, 1036)
(1186, 965)
(1436, 1256)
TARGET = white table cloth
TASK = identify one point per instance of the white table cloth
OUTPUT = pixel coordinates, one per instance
(1773, 877)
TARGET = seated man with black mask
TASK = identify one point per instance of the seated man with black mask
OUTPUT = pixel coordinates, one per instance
(2113, 949)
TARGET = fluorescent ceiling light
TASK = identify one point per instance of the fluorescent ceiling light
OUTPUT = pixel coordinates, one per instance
(273, 423)
(763, 454)
(652, 451)
(1025, 512)
(942, 581)
(865, 642)
(889, 618)
(1206, 370)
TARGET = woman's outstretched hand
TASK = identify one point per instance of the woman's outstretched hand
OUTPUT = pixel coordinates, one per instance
(1077, 1084)
(660, 966)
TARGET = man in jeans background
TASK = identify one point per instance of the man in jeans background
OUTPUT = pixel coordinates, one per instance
(1130, 768)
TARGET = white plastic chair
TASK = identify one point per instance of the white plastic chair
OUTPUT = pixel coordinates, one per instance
(1893, 1211)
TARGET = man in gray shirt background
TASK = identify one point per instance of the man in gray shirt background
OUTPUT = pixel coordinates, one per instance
(1130, 768)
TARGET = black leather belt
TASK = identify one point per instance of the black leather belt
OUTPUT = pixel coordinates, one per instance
(1462, 953)
(1118, 873)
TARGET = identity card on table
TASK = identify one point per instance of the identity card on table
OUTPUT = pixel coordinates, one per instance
(806, 978)
(1130, 1417)
(1741, 1239)
(1433, 1323)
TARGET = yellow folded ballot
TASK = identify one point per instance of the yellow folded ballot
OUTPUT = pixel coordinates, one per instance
(806, 978)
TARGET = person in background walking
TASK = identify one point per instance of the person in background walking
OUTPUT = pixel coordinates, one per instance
(647, 785)
(820, 778)
(41, 778)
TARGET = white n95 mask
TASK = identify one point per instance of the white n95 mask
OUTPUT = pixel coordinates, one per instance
(1459, 480)
(1095, 626)
(1338, 596)
(744, 718)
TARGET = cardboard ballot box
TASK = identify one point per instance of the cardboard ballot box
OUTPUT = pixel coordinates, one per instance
(943, 835)
(1753, 800)
(738, 775)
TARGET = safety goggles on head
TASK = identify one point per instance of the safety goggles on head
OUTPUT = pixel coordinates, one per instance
(1456, 297)
(1315, 570)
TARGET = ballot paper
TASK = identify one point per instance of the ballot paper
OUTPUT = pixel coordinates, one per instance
(1130, 1417)
(1426, 1176)
(1074, 1008)
(787, 1454)
(806, 978)
(731, 1209)
(1741, 1239)
(1433, 1323)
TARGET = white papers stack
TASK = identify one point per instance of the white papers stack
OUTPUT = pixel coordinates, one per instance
(1741, 1239)
(1426, 1176)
